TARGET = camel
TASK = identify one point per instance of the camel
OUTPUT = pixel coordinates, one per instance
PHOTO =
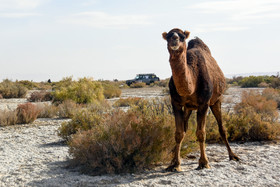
(197, 83)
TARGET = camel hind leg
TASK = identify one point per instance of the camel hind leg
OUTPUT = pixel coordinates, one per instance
(216, 110)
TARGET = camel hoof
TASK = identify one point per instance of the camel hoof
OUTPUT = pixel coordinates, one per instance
(173, 168)
(234, 157)
(203, 166)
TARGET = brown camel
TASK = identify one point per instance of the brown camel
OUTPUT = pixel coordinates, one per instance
(197, 82)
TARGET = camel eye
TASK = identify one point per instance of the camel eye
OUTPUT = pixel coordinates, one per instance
(169, 35)
(182, 37)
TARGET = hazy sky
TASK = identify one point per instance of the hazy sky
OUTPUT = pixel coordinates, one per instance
(116, 39)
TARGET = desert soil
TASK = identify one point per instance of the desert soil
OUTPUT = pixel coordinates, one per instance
(33, 155)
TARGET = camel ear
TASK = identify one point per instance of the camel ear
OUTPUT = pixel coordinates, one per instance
(164, 35)
(187, 34)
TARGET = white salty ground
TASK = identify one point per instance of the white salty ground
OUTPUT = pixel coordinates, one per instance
(33, 155)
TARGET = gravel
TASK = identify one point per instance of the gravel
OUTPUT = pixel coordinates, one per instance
(33, 155)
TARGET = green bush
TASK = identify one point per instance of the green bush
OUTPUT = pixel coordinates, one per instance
(251, 81)
(28, 84)
(256, 81)
(85, 90)
(83, 119)
(111, 89)
(26, 113)
(9, 89)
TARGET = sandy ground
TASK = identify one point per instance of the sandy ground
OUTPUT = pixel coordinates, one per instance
(33, 155)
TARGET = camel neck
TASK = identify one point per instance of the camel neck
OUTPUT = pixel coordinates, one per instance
(181, 74)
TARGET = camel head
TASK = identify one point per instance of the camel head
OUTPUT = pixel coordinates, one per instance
(176, 39)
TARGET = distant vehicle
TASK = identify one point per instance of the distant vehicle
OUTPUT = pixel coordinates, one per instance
(146, 78)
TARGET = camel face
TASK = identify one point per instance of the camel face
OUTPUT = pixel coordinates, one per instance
(175, 39)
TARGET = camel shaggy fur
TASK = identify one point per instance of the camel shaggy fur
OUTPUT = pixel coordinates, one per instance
(197, 83)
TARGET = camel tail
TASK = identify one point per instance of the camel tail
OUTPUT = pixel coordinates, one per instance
(198, 43)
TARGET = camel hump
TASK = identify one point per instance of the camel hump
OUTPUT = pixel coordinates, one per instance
(198, 43)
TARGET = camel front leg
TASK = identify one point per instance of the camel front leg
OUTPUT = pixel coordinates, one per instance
(179, 135)
(201, 136)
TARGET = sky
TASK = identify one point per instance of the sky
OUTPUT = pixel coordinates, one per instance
(117, 39)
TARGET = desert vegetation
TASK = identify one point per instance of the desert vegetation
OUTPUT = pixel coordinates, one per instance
(255, 118)
(9, 89)
(255, 81)
(24, 114)
(119, 141)
(85, 90)
(103, 138)
(111, 89)
(40, 96)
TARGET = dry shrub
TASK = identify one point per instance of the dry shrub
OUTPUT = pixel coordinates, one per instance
(8, 118)
(9, 89)
(138, 85)
(262, 130)
(129, 141)
(130, 101)
(212, 130)
(254, 102)
(251, 128)
(40, 96)
(275, 82)
(162, 83)
(272, 94)
(67, 109)
(47, 111)
(255, 118)
(263, 85)
(44, 86)
(26, 113)
(124, 142)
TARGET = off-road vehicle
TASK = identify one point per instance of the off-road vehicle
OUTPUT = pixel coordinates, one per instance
(146, 78)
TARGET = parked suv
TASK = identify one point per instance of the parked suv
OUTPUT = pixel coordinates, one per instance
(146, 78)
